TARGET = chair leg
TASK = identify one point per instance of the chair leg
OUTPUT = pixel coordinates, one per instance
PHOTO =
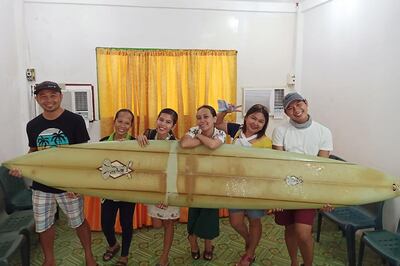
(319, 223)
(361, 251)
(393, 263)
(25, 252)
(351, 245)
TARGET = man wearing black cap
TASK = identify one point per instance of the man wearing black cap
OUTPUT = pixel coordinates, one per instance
(54, 127)
(302, 135)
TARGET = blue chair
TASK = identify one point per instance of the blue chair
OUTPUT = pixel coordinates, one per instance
(350, 219)
(17, 196)
(9, 244)
(21, 222)
(383, 242)
(15, 230)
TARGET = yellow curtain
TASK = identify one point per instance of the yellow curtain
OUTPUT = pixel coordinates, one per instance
(146, 81)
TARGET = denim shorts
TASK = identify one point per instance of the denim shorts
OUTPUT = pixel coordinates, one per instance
(251, 214)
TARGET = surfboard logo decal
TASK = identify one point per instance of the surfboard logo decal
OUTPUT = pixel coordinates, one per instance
(115, 169)
(292, 180)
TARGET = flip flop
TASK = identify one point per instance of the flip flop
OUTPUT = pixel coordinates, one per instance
(246, 260)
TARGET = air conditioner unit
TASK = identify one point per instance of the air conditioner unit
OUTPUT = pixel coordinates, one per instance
(77, 99)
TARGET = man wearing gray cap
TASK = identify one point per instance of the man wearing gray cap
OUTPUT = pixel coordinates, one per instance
(302, 135)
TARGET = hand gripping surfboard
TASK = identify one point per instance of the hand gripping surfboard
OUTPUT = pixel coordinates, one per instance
(228, 177)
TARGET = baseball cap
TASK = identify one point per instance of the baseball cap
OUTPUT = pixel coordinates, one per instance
(290, 97)
(47, 85)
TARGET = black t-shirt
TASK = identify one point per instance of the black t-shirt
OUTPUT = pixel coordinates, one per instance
(68, 128)
(151, 134)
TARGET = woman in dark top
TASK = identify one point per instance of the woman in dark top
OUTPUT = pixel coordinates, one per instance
(161, 214)
(123, 122)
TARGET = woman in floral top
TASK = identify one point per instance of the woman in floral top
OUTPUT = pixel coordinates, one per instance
(203, 222)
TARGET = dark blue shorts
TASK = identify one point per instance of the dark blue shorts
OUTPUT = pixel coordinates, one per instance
(251, 214)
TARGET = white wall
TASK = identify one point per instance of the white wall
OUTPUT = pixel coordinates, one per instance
(350, 75)
(63, 37)
(14, 108)
(348, 57)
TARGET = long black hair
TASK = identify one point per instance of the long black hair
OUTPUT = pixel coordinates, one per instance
(170, 112)
(174, 116)
(258, 108)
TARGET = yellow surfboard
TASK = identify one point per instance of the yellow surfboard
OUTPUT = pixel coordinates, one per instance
(228, 177)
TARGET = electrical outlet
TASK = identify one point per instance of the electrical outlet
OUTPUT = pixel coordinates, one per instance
(30, 74)
(291, 79)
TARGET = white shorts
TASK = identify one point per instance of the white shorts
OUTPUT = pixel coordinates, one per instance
(168, 213)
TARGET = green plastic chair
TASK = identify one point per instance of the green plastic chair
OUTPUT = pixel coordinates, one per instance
(17, 196)
(383, 242)
(9, 244)
(350, 219)
(21, 222)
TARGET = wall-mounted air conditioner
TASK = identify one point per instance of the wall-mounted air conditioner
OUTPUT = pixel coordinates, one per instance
(77, 98)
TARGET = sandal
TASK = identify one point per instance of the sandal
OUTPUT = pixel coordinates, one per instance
(110, 253)
(122, 261)
(246, 260)
(208, 255)
(254, 258)
(195, 254)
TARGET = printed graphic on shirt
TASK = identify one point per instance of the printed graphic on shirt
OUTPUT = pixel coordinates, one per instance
(217, 134)
(51, 137)
(194, 131)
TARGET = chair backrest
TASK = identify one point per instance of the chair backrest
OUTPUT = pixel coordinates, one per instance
(375, 209)
(10, 184)
(2, 203)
